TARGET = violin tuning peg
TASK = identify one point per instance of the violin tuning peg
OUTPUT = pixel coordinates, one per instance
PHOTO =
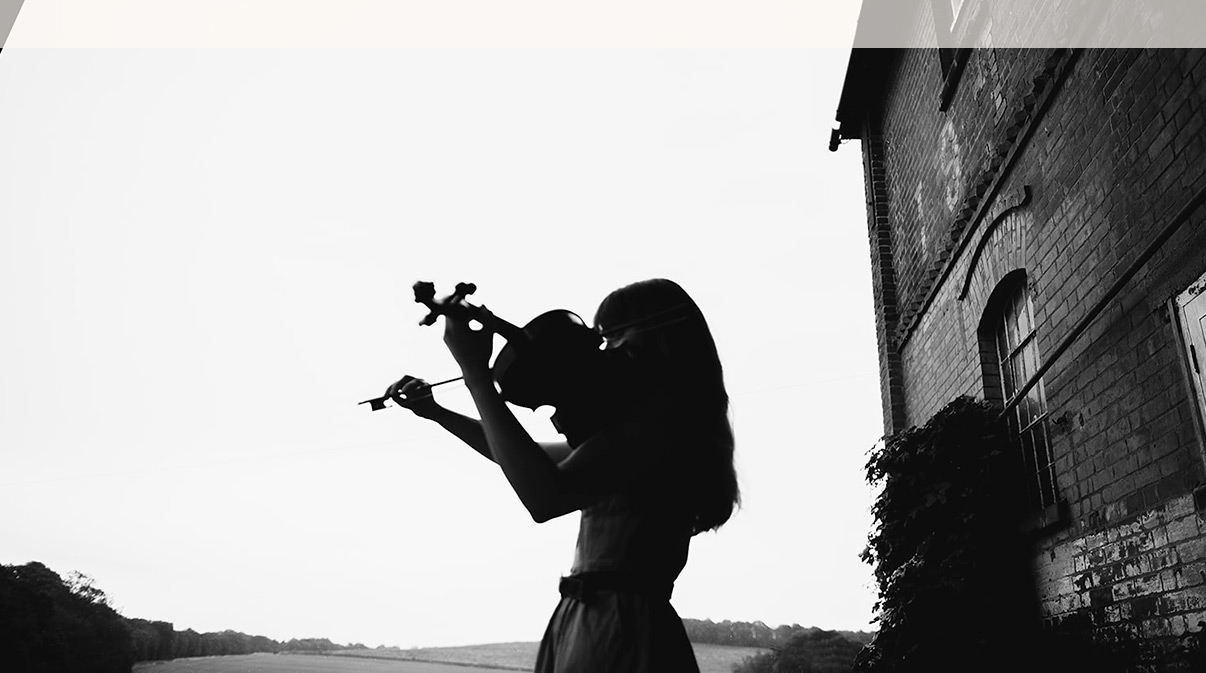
(424, 292)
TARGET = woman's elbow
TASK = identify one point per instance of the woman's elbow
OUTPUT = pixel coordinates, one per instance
(544, 514)
(547, 508)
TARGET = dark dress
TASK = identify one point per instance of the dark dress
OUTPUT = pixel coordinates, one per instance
(637, 543)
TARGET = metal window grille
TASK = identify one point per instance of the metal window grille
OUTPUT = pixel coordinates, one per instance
(1017, 355)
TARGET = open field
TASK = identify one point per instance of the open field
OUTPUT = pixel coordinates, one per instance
(298, 663)
(468, 659)
(522, 656)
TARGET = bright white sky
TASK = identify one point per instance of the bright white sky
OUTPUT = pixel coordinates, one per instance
(205, 263)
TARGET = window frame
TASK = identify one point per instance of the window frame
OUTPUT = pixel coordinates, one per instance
(1193, 360)
(956, 9)
(952, 58)
(1009, 356)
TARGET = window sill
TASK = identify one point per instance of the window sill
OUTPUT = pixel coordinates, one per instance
(1047, 520)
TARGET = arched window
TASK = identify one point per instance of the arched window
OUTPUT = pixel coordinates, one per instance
(1009, 358)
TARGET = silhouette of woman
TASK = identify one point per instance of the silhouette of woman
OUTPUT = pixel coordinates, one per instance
(659, 471)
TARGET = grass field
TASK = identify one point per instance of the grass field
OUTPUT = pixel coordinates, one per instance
(522, 656)
(468, 659)
(298, 663)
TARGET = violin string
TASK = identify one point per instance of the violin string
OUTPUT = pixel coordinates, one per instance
(645, 328)
(676, 310)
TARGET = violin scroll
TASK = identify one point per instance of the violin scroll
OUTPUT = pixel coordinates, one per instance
(425, 295)
(554, 360)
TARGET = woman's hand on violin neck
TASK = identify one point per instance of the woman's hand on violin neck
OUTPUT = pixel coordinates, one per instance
(414, 394)
(470, 348)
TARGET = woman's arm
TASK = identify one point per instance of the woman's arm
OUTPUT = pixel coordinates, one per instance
(546, 487)
(469, 430)
(553, 480)
(534, 473)
(414, 394)
(464, 428)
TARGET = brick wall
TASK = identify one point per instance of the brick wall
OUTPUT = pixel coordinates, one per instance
(1136, 574)
(1064, 163)
(883, 283)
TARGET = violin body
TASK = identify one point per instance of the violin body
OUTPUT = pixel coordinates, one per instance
(549, 363)
(554, 360)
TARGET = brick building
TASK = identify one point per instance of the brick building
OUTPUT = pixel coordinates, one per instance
(1038, 240)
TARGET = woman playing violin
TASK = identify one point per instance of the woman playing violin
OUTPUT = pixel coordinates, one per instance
(652, 472)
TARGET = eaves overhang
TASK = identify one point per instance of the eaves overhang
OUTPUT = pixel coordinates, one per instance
(877, 39)
(865, 75)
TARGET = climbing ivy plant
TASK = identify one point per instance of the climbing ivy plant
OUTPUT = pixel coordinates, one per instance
(949, 562)
(956, 591)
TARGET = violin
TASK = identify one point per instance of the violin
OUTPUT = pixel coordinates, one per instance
(554, 360)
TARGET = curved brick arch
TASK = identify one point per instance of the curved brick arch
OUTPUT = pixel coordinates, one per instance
(1002, 251)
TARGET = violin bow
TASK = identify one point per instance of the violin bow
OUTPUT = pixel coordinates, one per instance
(425, 294)
(378, 403)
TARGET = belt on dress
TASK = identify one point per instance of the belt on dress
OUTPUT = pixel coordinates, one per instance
(583, 586)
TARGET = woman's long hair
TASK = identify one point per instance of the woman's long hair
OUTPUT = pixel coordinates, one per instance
(670, 342)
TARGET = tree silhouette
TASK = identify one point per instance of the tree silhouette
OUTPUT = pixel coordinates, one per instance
(47, 624)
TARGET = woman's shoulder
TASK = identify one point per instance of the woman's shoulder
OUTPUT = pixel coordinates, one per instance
(644, 411)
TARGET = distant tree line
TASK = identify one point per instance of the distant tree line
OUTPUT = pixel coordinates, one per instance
(52, 624)
(809, 651)
(49, 624)
(757, 634)
(155, 641)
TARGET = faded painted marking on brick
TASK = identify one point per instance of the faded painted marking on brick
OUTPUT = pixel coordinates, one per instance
(948, 165)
